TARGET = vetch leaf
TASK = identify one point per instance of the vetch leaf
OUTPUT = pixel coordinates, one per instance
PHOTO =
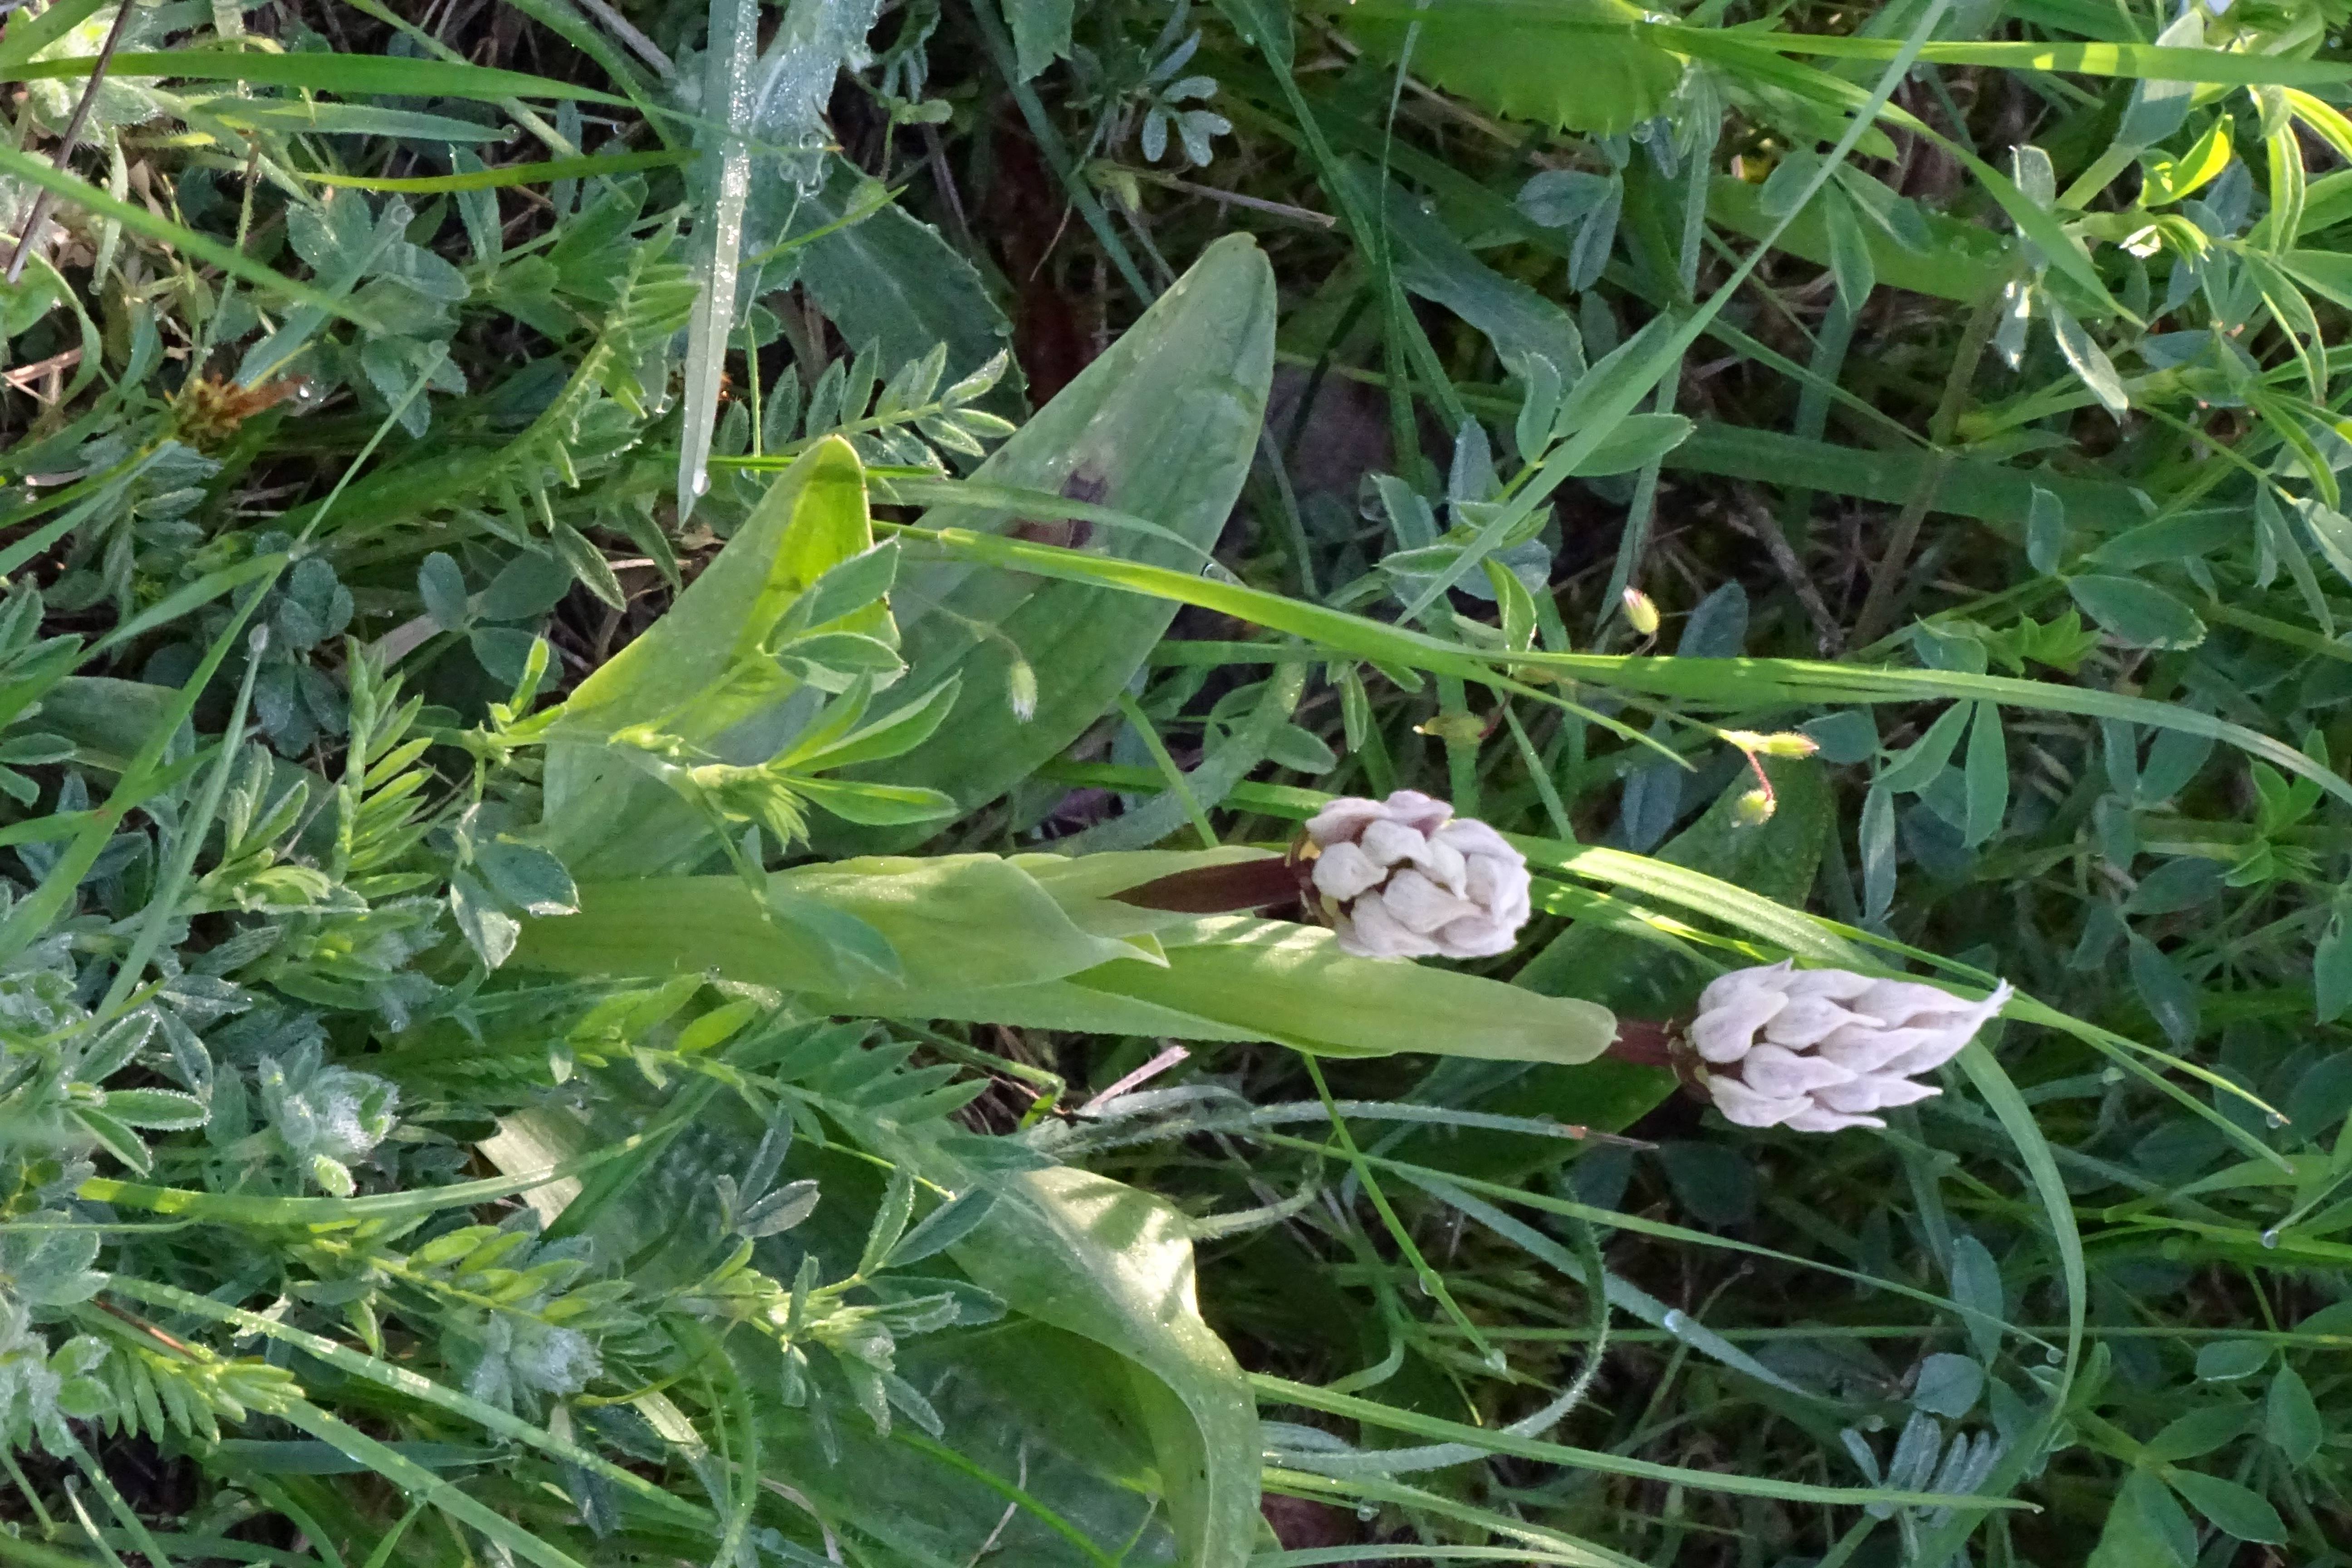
(892, 735)
(2089, 361)
(2170, 999)
(1986, 776)
(1562, 198)
(2177, 885)
(2226, 1360)
(2199, 1433)
(2045, 531)
(875, 805)
(1596, 239)
(1949, 1386)
(2171, 179)
(1295, 747)
(526, 877)
(588, 563)
(114, 1137)
(2158, 106)
(1917, 765)
(1851, 263)
(2332, 532)
(840, 591)
(1976, 1284)
(1875, 838)
(2145, 1528)
(891, 1216)
(2290, 1418)
(943, 1228)
(489, 930)
(442, 584)
(777, 1212)
(1634, 442)
(160, 1110)
(1431, 261)
(2235, 1509)
(2137, 612)
(839, 938)
(114, 1047)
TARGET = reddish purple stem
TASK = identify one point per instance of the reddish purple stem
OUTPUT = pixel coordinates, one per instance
(1641, 1041)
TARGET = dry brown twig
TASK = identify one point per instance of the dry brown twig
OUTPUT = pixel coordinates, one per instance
(37, 219)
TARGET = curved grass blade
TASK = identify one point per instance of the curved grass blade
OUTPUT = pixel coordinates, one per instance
(28, 36)
(402, 1471)
(2016, 1117)
(1727, 683)
(1452, 1188)
(1548, 1545)
(39, 173)
(380, 76)
(2137, 62)
(1434, 1429)
(275, 1213)
(505, 175)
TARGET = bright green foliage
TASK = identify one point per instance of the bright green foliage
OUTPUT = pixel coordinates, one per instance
(1579, 65)
(1162, 428)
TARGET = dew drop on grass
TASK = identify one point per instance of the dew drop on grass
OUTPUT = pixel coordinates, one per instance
(702, 484)
(1367, 1512)
(1673, 1323)
(1494, 1362)
(2273, 1119)
(2271, 1236)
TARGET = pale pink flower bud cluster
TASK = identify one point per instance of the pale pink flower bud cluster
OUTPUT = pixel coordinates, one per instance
(1404, 878)
(1820, 1049)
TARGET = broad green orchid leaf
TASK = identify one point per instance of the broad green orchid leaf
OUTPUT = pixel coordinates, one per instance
(982, 940)
(1162, 428)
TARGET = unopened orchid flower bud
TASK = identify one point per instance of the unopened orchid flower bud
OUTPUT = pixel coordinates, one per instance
(1404, 877)
(1820, 1049)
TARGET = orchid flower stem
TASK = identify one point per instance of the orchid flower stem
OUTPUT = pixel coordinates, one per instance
(1221, 889)
(1645, 1043)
